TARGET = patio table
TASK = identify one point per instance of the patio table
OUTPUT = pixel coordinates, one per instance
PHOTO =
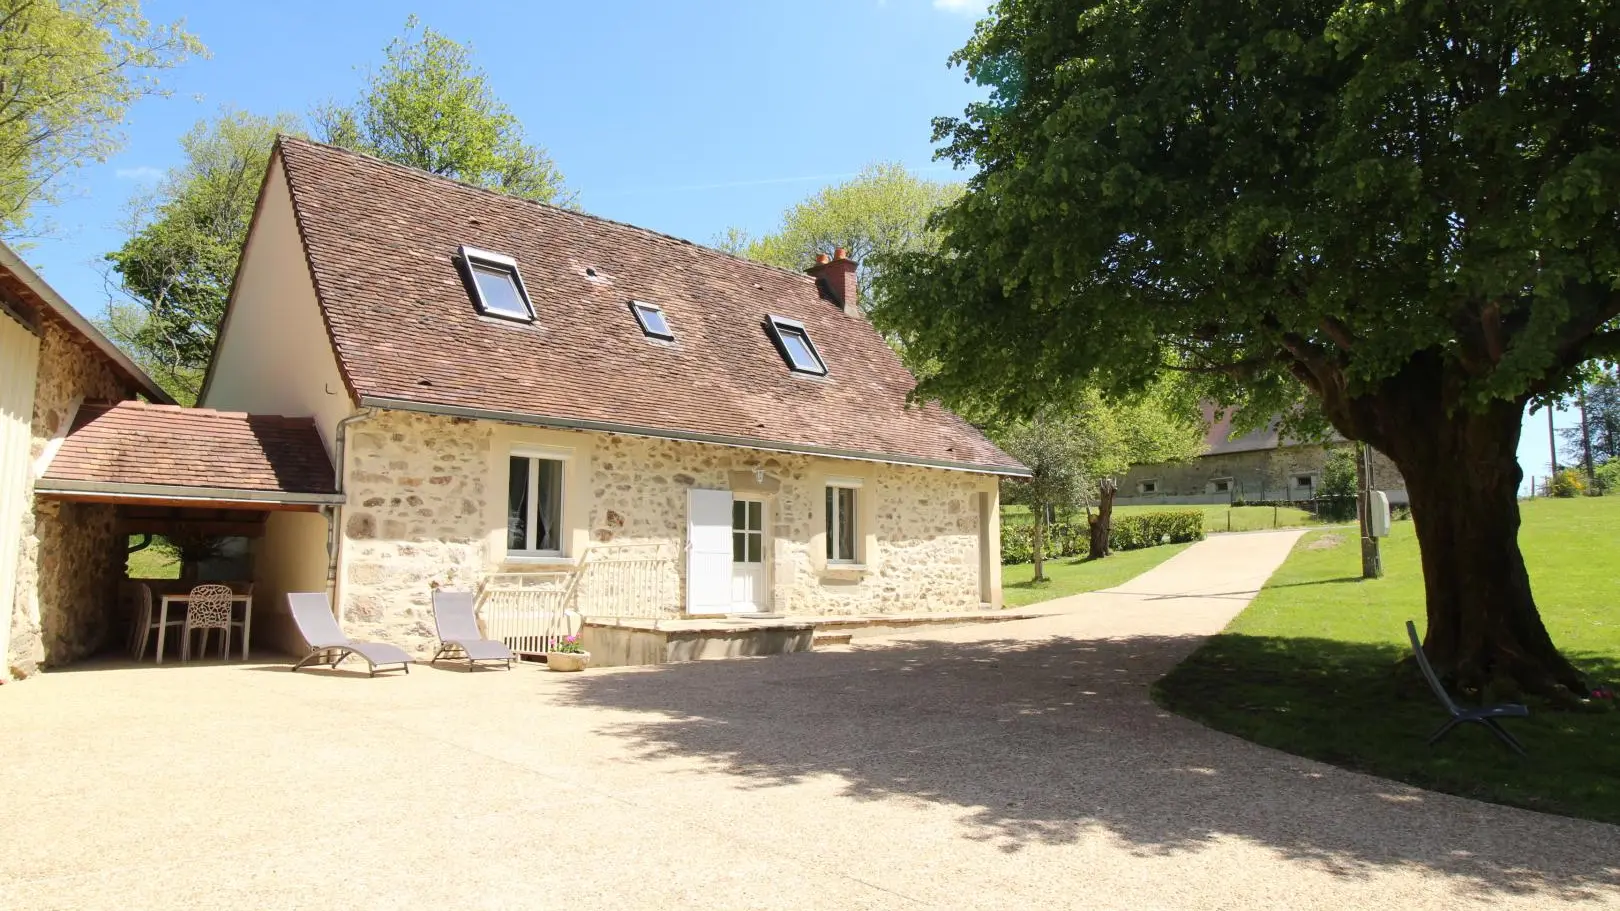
(247, 618)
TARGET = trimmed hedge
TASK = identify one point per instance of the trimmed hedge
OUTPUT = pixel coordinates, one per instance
(1129, 532)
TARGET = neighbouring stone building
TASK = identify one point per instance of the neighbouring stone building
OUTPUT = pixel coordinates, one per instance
(513, 389)
(59, 561)
(1261, 466)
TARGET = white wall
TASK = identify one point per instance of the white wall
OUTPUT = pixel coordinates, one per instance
(274, 356)
(19, 362)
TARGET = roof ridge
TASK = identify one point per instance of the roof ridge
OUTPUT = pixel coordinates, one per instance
(282, 138)
(195, 411)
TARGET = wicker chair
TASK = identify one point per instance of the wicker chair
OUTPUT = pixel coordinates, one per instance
(208, 608)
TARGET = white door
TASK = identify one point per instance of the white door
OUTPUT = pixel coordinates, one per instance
(708, 551)
(749, 592)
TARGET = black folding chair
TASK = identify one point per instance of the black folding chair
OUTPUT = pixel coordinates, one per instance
(1484, 715)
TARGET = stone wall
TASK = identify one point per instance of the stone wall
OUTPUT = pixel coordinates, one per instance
(68, 573)
(427, 506)
(1263, 475)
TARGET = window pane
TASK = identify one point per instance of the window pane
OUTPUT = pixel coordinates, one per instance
(755, 545)
(846, 523)
(517, 504)
(755, 510)
(832, 532)
(652, 321)
(499, 290)
(739, 514)
(739, 547)
(798, 351)
(548, 517)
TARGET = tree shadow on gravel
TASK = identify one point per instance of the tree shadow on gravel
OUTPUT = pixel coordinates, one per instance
(1047, 742)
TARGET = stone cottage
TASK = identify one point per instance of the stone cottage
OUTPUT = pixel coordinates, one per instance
(59, 561)
(1261, 466)
(507, 387)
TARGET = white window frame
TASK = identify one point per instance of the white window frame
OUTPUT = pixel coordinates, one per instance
(641, 309)
(1215, 485)
(1310, 480)
(1143, 486)
(834, 513)
(777, 325)
(472, 257)
(563, 458)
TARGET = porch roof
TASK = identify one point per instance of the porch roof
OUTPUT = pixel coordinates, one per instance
(138, 452)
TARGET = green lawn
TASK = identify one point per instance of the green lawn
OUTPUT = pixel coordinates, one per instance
(1218, 517)
(1073, 575)
(1314, 667)
(158, 561)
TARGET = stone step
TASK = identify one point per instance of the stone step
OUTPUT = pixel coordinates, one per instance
(825, 639)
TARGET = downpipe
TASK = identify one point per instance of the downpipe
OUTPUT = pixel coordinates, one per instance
(334, 518)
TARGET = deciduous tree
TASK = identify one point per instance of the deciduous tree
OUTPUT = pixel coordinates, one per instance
(1409, 211)
(879, 213)
(69, 70)
(431, 107)
(174, 273)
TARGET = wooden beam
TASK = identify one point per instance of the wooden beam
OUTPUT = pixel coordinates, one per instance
(255, 506)
(172, 527)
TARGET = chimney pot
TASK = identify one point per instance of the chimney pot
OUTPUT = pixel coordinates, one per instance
(838, 253)
(821, 259)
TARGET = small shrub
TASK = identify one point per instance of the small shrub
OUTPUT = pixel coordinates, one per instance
(1565, 483)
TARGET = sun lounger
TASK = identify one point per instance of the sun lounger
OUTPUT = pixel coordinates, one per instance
(1484, 715)
(312, 611)
(459, 636)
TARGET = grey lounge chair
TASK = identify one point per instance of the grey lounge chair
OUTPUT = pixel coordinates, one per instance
(1484, 715)
(312, 611)
(457, 622)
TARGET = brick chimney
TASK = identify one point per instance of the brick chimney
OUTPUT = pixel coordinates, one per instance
(836, 275)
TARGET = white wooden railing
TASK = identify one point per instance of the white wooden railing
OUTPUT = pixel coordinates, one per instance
(532, 611)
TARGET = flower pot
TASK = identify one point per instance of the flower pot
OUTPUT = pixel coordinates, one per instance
(568, 661)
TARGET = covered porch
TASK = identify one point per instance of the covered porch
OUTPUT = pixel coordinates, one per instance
(234, 499)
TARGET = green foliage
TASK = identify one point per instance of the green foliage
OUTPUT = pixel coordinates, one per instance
(1602, 390)
(1607, 477)
(70, 69)
(882, 212)
(1275, 193)
(430, 107)
(1128, 532)
(1566, 482)
(176, 269)
(1338, 494)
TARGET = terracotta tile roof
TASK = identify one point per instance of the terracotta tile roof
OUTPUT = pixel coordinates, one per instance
(138, 443)
(381, 241)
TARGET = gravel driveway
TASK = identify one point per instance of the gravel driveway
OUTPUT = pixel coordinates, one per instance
(1016, 765)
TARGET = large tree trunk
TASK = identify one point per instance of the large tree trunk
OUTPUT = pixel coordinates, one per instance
(1102, 524)
(1463, 475)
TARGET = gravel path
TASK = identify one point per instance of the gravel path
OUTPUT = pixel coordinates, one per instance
(1016, 765)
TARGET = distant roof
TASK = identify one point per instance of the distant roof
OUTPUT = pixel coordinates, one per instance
(381, 240)
(134, 448)
(1219, 441)
(22, 280)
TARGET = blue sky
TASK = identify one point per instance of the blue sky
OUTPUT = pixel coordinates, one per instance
(686, 118)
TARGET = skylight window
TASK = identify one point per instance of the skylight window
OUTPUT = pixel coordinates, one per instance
(495, 284)
(652, 320)
(793, 340)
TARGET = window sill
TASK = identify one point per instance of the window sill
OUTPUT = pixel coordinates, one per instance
(536, 560)
(846, 568)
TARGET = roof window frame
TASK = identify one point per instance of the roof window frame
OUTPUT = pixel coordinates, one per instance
(639, 308)
(776, 325)
(470, 258)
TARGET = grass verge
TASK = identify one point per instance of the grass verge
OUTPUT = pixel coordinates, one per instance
(1074, 575)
